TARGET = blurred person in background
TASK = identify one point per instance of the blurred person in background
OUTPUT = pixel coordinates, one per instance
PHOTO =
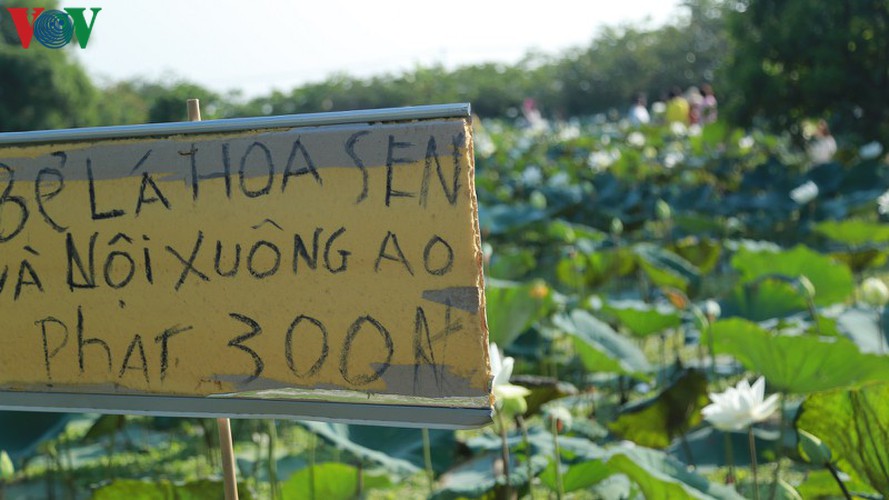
(708, 105)
(822, 146)
(695, 101)
(677, 107)
(638, 114)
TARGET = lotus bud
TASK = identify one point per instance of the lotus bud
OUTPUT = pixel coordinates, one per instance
(662, 209)
(539, 290)
(712, 310)
(813, 449)
(874, 292)
(806, 285)
(559, 417)
(617, 227)
(538, 200)
(6, 468)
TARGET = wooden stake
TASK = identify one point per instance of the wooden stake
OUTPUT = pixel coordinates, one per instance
(226, 447)
(228, 458)
(194, 110)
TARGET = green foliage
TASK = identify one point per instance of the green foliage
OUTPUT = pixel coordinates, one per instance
(764, 299)
(576, 476)
(797, 364)
(853, 232)
(133, 489)
(7, 470)
(832, 280)
(474, 478)
(46, 89)
(513, 308)
(642, 319)
(654, 422)
(664, 268)
(660, 476)
(854, 424)
(332, 481)
(398, 450)
(599, 347)
(821, 484)
(802, 58)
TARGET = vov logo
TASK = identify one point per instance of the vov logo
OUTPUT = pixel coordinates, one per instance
(53, 28)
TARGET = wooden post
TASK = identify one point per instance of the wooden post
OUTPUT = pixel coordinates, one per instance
(228, 458)
(225, 429)
(194, 110)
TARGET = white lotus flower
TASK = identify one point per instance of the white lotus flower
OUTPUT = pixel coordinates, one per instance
(741, 406)
(509, 398)
(599, 160)
(532, 175)
(678, 128)
(569, 132)
(883, 203)
(636, 139)
(501, 368)
(673, 158)
(870, 150)
(804, 193)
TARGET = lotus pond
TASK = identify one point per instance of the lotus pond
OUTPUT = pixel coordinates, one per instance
(635, 277)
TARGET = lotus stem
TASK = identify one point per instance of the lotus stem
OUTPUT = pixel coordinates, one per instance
(557, 456)
(272, 462)
(504, 449)
(712, 351)
(527, 442)
(836, 477)
(782, 424)
(312, 444)
(753, 466)
(359, 488)
(687, 449)
(813, 312)
(729, 457)
(427, 460)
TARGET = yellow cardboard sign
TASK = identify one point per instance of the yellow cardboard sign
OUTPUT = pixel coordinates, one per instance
(337, 263)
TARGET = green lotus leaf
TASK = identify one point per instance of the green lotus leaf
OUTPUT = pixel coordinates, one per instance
(703, 253)
(764, 299)
(661, 476)
(854, 424)
(576, 476)
(665, 268)
(331, 481)
(599, 347)
(654, 422)
(643, 319)
(833, 280)
(853, 232)
(513, 307)
(798, 364)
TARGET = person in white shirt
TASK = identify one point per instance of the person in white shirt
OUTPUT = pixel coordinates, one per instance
(638, 114)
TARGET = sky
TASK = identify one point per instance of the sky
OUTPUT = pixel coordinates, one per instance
(263, 45)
